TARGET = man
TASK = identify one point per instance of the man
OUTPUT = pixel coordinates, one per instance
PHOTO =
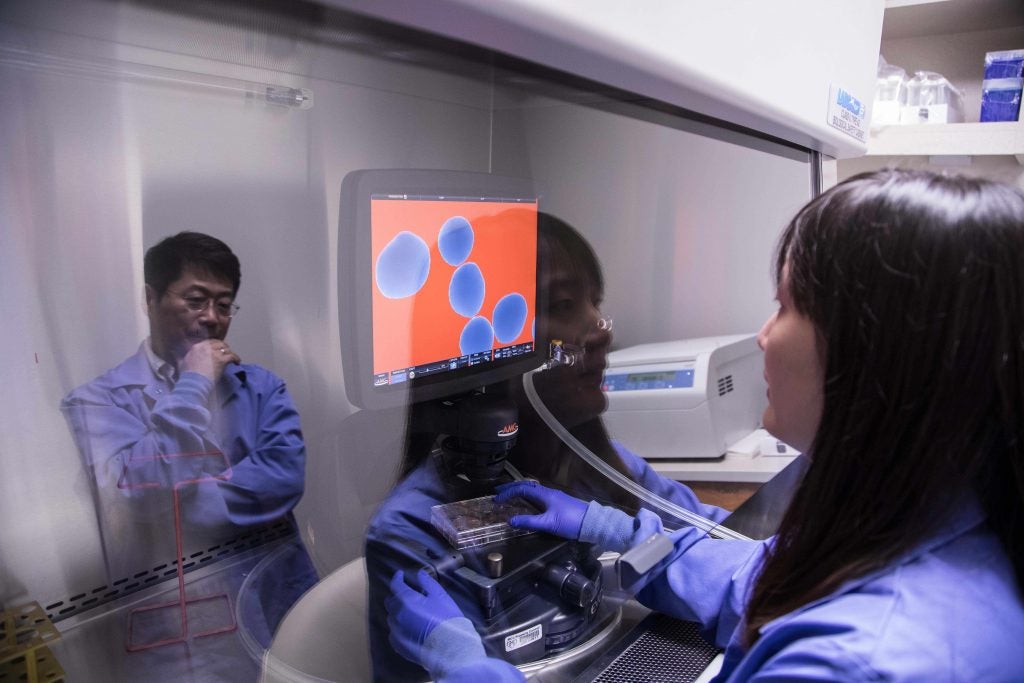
(184, 417)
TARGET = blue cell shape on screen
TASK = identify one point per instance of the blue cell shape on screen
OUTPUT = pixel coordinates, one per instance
(509, 317)
(403, 266)
(477, 336)
(466, 290)
(455, 240)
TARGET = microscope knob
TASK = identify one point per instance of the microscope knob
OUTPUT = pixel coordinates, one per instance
(578, 590)
(573, 587)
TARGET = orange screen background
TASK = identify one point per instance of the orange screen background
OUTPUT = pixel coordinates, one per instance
(423, 328)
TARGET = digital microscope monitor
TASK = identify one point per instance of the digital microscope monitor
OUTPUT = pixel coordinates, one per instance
(437, 283)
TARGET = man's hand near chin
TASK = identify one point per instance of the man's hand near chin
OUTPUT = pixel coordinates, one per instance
(209, 358)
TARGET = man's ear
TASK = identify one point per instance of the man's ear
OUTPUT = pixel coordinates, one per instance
(151, 298)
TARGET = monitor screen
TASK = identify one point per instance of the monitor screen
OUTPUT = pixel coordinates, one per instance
(439, 272)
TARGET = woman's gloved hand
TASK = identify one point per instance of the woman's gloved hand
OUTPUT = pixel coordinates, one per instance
(413, 615)
(428, 628)
(562, 514)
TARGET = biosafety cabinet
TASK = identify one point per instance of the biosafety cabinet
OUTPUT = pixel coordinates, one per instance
(676, 139)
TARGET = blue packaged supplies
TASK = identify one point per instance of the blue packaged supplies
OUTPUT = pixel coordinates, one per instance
(1004, 64)
(1000, 99)
(1001, 89)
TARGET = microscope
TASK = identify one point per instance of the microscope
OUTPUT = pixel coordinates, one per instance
(536, 595)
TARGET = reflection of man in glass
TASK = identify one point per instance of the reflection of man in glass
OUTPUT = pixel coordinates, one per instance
(184, 408)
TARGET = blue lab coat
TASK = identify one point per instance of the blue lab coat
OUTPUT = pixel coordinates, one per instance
(234, 451)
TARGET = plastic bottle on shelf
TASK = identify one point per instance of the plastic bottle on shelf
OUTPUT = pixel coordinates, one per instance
(890, 94)
(931, 98)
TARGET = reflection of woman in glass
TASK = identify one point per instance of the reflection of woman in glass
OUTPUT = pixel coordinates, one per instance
(896, 361)
(400, 535)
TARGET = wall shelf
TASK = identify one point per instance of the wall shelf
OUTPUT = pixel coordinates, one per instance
(950, 37)
(951, 139)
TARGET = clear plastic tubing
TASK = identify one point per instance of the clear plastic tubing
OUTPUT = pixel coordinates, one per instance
(713, 529)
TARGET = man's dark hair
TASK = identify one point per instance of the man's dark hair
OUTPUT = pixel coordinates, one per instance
(167, 260)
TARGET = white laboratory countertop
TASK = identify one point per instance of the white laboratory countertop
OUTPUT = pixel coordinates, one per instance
(731, 468)
(743, 462)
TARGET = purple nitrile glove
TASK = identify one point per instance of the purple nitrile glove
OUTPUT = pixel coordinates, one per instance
(413, 614)
(562, 514)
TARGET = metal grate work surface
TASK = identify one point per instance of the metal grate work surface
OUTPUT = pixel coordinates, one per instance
(665, 650)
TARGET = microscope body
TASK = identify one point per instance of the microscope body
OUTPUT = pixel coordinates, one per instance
(533, 595)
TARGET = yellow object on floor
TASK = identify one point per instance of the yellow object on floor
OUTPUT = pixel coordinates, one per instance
(24, 634)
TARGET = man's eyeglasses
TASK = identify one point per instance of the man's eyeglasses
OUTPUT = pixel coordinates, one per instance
(197, 303)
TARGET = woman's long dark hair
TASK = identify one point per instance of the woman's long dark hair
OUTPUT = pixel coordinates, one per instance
(915, 285)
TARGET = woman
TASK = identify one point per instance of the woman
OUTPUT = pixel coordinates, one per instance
(896, 360)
